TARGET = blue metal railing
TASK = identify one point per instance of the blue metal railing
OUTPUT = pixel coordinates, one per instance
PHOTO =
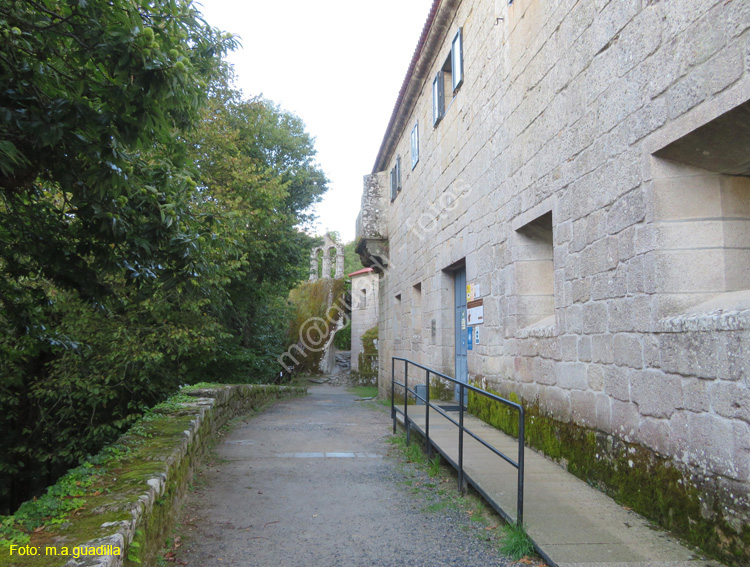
(463, 387)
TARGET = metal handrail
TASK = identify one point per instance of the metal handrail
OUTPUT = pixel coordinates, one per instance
(463, 387)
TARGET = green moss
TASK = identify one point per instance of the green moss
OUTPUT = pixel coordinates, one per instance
(106, 491)
(633, 475)
(368, 358)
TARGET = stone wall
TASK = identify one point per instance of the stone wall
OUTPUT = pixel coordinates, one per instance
(364, 310)
(136, 498)
(613, 265)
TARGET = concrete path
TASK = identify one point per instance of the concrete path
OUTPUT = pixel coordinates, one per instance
(307, 484)
(573, 524)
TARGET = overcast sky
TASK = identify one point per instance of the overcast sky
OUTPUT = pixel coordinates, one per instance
(338, 65)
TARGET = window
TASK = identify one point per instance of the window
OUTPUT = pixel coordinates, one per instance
(415, 145)
(438, 97)
(398, 172)
(396, 178)
(397, 319)
(416, 313)
(701, 208)
(363, 299)
(457, 60)
(451, 75)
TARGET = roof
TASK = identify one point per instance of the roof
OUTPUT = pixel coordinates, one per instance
(414, 75)
(361, 272)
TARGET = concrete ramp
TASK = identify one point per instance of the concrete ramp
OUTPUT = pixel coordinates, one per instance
(571, 523)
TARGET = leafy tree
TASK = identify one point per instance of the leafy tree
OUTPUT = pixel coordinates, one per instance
(148, 235)
(258, 180)
(93, 95)
(352, 263)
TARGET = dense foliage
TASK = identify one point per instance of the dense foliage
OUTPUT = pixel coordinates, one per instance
(149, 224)
(319, 308)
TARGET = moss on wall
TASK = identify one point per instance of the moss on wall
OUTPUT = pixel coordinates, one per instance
(134, 487)
(688, 505)
(368, 358)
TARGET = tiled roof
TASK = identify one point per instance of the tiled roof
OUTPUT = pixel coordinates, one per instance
(360, 272)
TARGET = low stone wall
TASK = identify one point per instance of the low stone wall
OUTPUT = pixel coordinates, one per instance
(127, 514)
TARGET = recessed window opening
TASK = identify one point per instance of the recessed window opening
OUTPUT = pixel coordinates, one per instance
(363, 299)
(416, 312)
(448, 79)
(397, 318)
(534, 270)
(702, 214)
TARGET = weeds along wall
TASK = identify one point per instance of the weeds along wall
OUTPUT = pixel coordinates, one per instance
(126, 498)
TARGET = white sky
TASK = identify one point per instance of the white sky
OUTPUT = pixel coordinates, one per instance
(338, 65)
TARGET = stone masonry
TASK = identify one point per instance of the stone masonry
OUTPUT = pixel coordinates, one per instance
(364, 308)
(590, 175)
(329, 251)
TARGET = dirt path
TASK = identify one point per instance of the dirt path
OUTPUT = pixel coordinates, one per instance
(307, 484)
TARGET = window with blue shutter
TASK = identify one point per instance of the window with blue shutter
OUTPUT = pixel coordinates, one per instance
(396, 178)
(438, 97)
(449, 78)
(398, 173)
(394, 183)
(415, 145)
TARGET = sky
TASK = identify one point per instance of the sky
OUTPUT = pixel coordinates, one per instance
(338, 65)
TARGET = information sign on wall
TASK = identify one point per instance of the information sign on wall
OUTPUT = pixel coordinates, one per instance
(473, 291)
(475, 312)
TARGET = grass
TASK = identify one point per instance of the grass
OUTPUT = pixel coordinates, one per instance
(364, 391)
(516, 543)
(434, 481)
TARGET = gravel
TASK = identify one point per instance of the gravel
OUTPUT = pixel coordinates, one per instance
(310, 483)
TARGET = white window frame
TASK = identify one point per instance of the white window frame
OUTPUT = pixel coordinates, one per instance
(457, 59)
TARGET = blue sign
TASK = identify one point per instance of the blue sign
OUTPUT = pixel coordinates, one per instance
(470, 337)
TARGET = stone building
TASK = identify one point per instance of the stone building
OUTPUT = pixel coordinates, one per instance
(577, 171)
(364, 308)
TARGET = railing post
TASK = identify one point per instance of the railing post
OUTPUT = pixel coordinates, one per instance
(393, 392)
(521, 443)
(461, 484)
(406, 402)
(427, 415)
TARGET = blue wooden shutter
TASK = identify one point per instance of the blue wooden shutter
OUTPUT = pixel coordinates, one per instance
(415, 145)
(438, 98)
(393, 183)
(398, 172)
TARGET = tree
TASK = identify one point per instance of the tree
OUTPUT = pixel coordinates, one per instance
(258, 182)
(96, 217)
(150, 224)
(95, 180)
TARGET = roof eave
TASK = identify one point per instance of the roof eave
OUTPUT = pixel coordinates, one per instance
(429, 43)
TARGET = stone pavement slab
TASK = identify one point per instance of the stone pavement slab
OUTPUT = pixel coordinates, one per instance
(572, 523)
